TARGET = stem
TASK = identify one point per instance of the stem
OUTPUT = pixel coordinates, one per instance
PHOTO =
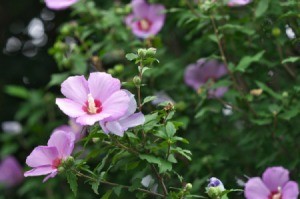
(286, 66)
(115, 184)
(161, 180)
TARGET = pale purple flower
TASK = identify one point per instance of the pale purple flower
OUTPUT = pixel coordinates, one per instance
(146, 19)
(11, 172)
(12, 127)
(274, 184)
(74, 128)
(215, 182)
(236, 3)
(93, 100)
(128, 120)
(45, 160)
(59, 4)
(196, 75)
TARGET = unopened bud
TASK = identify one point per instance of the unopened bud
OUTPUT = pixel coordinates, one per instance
(69, 162)
(276, 32)
(285, 94)
(137, 81)
(95, 140)
(61, 169)
(142, 52)
(215, 188)
(151, 51)
(188, 186)
(119, 68)
(111, 71)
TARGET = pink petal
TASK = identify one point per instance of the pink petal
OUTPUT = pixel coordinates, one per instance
(91, 119)
(290, 190)
(256, 189)
(102, 85)
(129, 20)
(116, 105)
(102, 124)
(41, 156)
(59, 4)
(132, 121)
(75, 88)
(40, 171)
(63, 141)
(275, 177)
(70, 107)
(51, 175)
(156, 12)
(115, 128)
(132, 104)
(11, 172)
(140, 8)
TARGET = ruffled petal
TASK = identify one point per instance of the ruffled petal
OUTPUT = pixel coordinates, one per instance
(275, 177)
(290, 190)
(39, 171)
(63, 141)
(116, 105)
(42, 156)
(69, 107)
(115, 128)
(132, 121)
(75, 88)
(103, 85)
(256, 189)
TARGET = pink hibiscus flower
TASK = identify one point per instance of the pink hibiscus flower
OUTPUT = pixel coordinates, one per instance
(45, 160)
(275, 184)
(146, 20)
(93, 100)
(236, 3)
(59, 4)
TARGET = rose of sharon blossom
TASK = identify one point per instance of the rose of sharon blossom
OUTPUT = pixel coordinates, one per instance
(45, 160)
(59, 4)
(196, 75)
(73, 128)
(93, 100)
(236, 3)
(274, 184)
(146, 20)
(130, 119)
(11, 173)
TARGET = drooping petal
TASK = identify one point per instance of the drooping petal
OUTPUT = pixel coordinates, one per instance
(132, 121)
(42, 156)
(102, 85)
(256, 189)
(69, 107)
(38, 171)
(91, 119)
(116, 105)
(59, 4)
(115, 128)
(275, 177)
(75, 88)
(63, 141)
(290, 190)
(51, 175)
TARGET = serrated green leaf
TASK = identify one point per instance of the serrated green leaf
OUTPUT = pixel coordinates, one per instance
(57, 79)
(72, 180)
(170, 129)
(291, 60)
(163, 165)
(107, 194)
(148, 99)
(261, 8)
(248, 60)
(268, 90)
(17, 91)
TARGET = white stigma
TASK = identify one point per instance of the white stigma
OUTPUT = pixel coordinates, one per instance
(91, 104)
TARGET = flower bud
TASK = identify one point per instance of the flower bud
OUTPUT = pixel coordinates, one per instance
(142, 52)
(61, 169)
(276, 32)
(188, 186)
(111, 71)
(69, 162)
(151, 51)
(119, 68)
(95, 140)
(215, 188)
(137, 81)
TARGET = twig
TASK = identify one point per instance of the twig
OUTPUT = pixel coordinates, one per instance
(286, 66)
(161, 180)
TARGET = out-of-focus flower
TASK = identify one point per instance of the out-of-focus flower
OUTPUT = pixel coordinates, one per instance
(12, 127)
(59, 4)
(93, 100)
(161, 97)
(236, 3)
(289, 32)
(215, 187)
(11, 173)
(256, 92)
(74, 128)
(196, 75)
(45, 160)
(130, 119)
(274, 184)
(146, 19)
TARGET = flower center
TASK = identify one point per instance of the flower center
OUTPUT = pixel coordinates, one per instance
(92, 106)
(56, 163)
(144, 24)
(276, 194)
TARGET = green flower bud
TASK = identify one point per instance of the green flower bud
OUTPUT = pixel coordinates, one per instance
(188, 186)
(69, 162)
(137, 81)
(142, 52)
(61, 169)
(119, 68)
(151, 51)
(285, 94)
(276, 32)
(95, 140)
(111, 71)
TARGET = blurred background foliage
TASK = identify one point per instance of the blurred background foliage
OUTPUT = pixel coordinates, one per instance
(232, 137)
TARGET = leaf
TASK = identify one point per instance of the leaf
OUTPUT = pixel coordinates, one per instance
(17, 91)
(290, 59)
(131, 56)
(289, 114)
(248, 60)
(72, 180)
(261, 8)
(148, 99)
(268, 90)
(170, 129)
(236, 27)
(107, 194)
(57, 79)
(79, 63)
(163, 165)
(145, 69)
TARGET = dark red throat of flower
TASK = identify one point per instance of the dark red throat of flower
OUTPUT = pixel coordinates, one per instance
(92, 106)
(144, 25)
(56, 163)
